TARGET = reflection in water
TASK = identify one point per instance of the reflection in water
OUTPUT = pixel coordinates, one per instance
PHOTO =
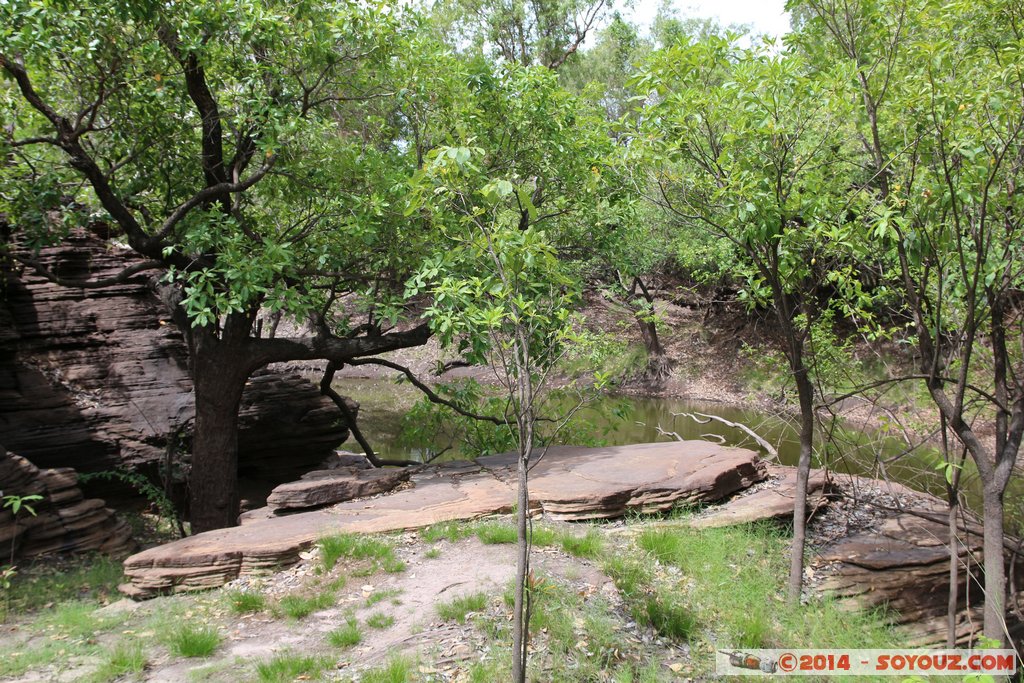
(383, 404)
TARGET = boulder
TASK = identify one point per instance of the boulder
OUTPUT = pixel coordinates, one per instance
(615, 480)
(772, 499)
(62, 521)
(326, 487)
(97, 379)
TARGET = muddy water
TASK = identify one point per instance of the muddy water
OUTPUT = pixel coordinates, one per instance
(384, 403)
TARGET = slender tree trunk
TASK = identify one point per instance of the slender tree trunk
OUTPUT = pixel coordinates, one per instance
(219, 381)
(995, 576)
(805, 392)
(525, 426)
(521, 626)
(952, 606)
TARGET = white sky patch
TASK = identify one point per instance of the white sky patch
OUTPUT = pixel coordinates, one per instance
(763, 16)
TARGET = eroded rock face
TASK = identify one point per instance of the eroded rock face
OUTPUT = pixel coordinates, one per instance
(97, 379)
(901, 561)
(615, 480)
(64, 520)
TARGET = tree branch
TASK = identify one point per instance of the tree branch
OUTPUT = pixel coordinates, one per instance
(123, 276)
(431, 395)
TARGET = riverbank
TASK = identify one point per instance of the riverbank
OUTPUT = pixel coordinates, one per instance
(635, 600)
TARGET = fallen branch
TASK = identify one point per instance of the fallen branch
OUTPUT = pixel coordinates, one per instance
(696, 417)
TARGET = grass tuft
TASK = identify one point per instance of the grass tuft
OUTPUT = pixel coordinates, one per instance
(380, 620)
(124, 660)
(449, 531)
(301, 606)
(352, 546)
(286, 667)
(346, 636)
(381, 595)
(397, 670)
(194, 641)
(457, 609)
(590, 545)
(495, 533)
(246, 602)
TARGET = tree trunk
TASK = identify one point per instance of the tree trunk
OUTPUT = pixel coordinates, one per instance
(219, 381)
(995, 576)
(521, 626)
(658, 366)
(805, 392)
(954, 573)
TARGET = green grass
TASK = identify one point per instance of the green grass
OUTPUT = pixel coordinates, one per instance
(193, 641)
(667, 615)
(590, 545)
(457, 609)
(738, 576)
(432, 554)
(124, 660)
(301, 606)
(346, 636)
(379, 620)
(287, 666)
(246, 602)
(74, 620)
(495, 533)
(352, 546)
(397, 670)
(449, 531)
(381, 595)
(83, 578)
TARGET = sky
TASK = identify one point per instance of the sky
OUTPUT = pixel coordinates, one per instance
(764, 16)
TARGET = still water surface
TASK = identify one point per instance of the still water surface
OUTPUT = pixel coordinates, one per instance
(384, 403)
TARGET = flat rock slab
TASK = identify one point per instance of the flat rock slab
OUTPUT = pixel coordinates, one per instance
(773, 502)
(567, 483)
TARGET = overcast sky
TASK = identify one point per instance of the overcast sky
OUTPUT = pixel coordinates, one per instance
(764, 16)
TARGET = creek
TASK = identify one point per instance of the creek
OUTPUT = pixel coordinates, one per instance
(621, 420)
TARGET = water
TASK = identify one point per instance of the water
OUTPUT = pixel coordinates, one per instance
(383, 404)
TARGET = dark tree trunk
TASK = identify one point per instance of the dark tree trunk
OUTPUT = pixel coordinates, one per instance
(642, 302)
(219, 381)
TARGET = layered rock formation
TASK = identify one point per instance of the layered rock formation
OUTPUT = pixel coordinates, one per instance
(616, 480)
(327, 487)
(61, 521)
(899, 560)
(97, 379)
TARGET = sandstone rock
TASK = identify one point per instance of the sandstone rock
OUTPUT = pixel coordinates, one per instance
(574, 483)
(63, 522)
(615, 479)
(773, 501)
(902, 563)
(326, 487)
(97, 379)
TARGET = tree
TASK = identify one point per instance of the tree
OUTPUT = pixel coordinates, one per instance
(743, 145)
(514, 200)
(602, 71)
(945, 152)
(524, 32)
(244, 149)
